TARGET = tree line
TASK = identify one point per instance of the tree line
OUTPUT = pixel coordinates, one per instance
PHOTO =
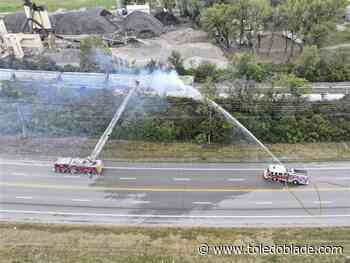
(271, 118)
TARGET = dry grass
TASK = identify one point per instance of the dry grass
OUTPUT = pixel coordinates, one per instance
(171, 152)
(74, 244)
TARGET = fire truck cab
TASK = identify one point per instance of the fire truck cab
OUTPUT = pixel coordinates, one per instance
(280, 173)
(78, 166)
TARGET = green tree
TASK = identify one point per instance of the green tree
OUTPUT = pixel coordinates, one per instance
(335, 65)
(93, 50)
(258, 13)
(320, 18)
(177, 62)
(219, 21)
(205, 70)
(209, 88)
(311, 20)
(296, 86)
(245, 66)
(292, 11)
(307, 65)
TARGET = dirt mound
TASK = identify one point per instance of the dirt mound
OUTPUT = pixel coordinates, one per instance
(144, 25)
(94, 21)
(186, 35)
(70, 23)
(82, 22)
(167, 18)
(14, 22)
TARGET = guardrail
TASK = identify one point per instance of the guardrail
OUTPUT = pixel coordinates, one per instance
(80, 79)
(101, 80)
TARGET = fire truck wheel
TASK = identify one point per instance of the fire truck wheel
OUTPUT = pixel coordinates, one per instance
(74, 171)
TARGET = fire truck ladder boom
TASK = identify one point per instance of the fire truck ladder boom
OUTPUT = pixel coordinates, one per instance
(107, 133)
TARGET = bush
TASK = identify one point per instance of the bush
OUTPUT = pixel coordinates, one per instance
(93, 53)
(205, 70)
(177, 63)
(246, 66)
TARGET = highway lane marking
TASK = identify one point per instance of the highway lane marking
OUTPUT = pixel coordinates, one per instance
(263, 203)
(56, 213)
(127, 178)
(24, 197)
(322, 202)
(341, 178)
(236, 179)
(179, 169)
(202, 203)
(81, 200)
(19, 174)
(141, 189)
(140, 202)
(177, 179)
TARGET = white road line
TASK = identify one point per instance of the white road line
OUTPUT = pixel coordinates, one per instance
(341, 178)
(74, 177)
(236, 179)
(263, 203)
(202, 203)
(81, 200)
(127, 178)
(168, 216)
(28, 164)
(179, 169)
(177, 179)
(322, 202)
(24, 197)
(141, 202)
(212, 169)
(19, 174)
(325, 168)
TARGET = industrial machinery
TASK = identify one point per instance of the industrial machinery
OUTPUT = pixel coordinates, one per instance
(280, 173)
(15, 43)
(90, 165)
(37, 32)
(37, 20)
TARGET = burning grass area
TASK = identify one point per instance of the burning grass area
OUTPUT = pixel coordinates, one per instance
(74, 243)
(51, 148)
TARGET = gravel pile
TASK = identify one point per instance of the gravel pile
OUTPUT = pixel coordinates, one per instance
(144, 25)
(14, 22)
(93, 21)
(167, 18)
(82, 22)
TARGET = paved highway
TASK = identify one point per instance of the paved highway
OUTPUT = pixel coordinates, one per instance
(174, 194)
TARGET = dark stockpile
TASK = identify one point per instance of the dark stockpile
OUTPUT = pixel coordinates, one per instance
(144, 25)
(93, 21)
(69, 23)
(14, 22)
(167, 18)
(82, 22)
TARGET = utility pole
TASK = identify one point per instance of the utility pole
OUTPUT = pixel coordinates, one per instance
(21, 118)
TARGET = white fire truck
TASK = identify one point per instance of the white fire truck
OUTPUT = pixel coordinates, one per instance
(280, 173)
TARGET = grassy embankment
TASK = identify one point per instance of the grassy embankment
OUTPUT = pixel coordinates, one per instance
(17, 5)
(84, 244)
(172, 152)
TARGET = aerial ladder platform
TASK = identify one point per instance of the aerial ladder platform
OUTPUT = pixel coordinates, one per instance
(91, 165)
